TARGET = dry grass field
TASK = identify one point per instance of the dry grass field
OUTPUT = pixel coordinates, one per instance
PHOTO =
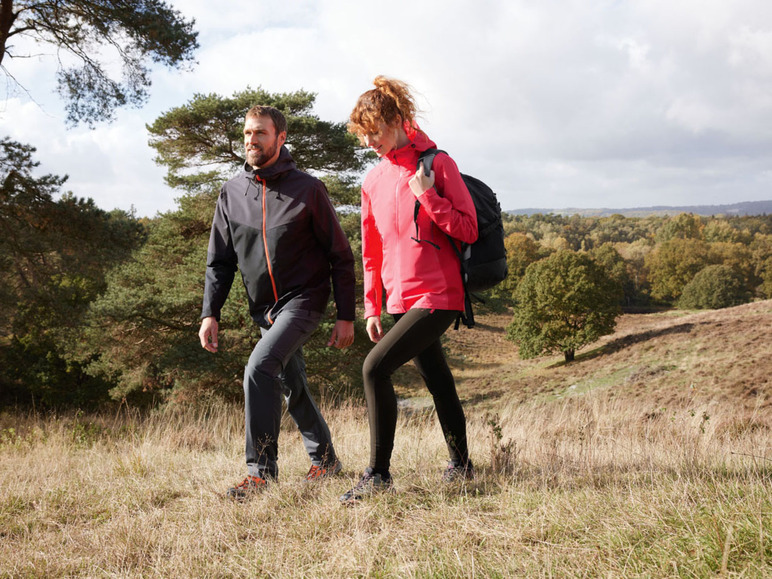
(649, 456)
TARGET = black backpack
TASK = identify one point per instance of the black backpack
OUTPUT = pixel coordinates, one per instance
(484, 262)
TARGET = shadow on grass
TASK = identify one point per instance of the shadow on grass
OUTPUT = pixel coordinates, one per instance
(626, 341)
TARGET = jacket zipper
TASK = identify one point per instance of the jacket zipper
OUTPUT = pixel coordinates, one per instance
(267, 253)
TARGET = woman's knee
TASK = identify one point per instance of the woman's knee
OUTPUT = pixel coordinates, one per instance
(372, 368)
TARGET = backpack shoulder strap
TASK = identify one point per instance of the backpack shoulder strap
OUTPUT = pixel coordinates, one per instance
(426, 158)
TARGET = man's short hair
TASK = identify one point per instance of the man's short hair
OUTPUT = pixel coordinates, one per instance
(279, 122)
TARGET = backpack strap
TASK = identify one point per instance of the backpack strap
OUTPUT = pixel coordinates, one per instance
(425, 159)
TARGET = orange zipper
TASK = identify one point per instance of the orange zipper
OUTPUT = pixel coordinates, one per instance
(267, 254)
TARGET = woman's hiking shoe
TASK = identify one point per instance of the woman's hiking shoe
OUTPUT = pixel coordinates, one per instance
(370, 484)
(246, 488)
(458, 473)
(319, 472)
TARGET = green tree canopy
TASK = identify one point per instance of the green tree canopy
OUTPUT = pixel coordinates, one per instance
(765, 272)
(724, 230)
(54, 254)
(617, 269)
(522, 251)
(673, 264)
(94, 34)
(563, 302)
(201, 143)
(714, 287)
(141, 333)
(682, 226)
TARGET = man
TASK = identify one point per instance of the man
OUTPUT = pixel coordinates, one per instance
(276, 224)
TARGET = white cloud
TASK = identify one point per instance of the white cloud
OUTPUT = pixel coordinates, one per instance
(571, 103)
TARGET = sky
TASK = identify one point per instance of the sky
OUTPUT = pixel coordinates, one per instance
(554, 104)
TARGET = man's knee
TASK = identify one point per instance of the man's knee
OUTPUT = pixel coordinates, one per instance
(261, 377)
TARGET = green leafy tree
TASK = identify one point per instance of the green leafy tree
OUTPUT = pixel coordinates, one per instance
(765, 272)
(522, 251)
(634, 255)
(722, 230)
(142, 333)
(714, 287)
(55, 253)
(618, 229)
(617, 269)
(739, 257)
(564, 302)
(682, 226)
(673, 264)
(761, 249)
(94, 34)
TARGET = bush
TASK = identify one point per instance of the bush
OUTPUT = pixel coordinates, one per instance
(714, 287)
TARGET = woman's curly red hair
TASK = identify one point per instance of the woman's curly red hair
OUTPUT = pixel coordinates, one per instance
(389, 102)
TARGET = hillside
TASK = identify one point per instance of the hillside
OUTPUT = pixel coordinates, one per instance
(669, 477)
(671, 359)
(731, 210)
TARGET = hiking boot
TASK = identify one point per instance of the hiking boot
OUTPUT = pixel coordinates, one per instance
(370, 484)
(458, 472)
(246, 488)
(319, 472)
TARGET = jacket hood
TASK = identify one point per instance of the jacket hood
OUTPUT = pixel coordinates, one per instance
(408, 155)
(283, 164)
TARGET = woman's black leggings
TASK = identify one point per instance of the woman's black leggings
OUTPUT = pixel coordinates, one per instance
(415, 335)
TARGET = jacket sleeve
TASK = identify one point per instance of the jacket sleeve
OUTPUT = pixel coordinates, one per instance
(449, 203)
(372, 260)
(221, 263)
(333, 239)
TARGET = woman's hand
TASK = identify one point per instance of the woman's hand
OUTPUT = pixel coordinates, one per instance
(421, 182)
(374, 329)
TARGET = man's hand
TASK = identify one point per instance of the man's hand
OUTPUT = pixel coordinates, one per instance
(374, 328)
(208, 334)
(342, 334)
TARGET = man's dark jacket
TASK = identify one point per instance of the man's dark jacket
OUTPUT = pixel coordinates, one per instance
(278, 227)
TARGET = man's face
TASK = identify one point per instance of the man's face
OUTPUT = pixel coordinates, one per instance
(261, 142)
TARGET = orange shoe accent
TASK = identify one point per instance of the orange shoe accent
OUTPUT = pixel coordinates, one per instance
(249, 485)
(318, 472)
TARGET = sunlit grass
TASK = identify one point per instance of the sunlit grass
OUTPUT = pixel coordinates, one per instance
(584, 486)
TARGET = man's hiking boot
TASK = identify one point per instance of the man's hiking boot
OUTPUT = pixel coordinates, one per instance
(370, 484)
(319, 472)
(246, 488)
(458, 473)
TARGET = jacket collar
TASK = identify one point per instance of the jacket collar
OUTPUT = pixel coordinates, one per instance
(283, 164)
(407, 156)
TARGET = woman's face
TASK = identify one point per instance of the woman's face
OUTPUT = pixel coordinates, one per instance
(384, 140)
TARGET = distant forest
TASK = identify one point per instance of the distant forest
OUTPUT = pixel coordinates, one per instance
(733, 209)
(654, 258)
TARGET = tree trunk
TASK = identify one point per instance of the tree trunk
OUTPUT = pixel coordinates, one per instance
(569, 355)
(7, 18)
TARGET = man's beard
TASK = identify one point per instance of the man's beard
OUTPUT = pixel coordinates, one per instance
(259, 157)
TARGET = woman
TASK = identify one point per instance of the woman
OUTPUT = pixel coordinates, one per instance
(414, 262)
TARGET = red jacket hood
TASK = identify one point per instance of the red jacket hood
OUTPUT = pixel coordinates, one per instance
(407, 156)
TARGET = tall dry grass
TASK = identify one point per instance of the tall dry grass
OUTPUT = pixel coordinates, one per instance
(579, 487)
